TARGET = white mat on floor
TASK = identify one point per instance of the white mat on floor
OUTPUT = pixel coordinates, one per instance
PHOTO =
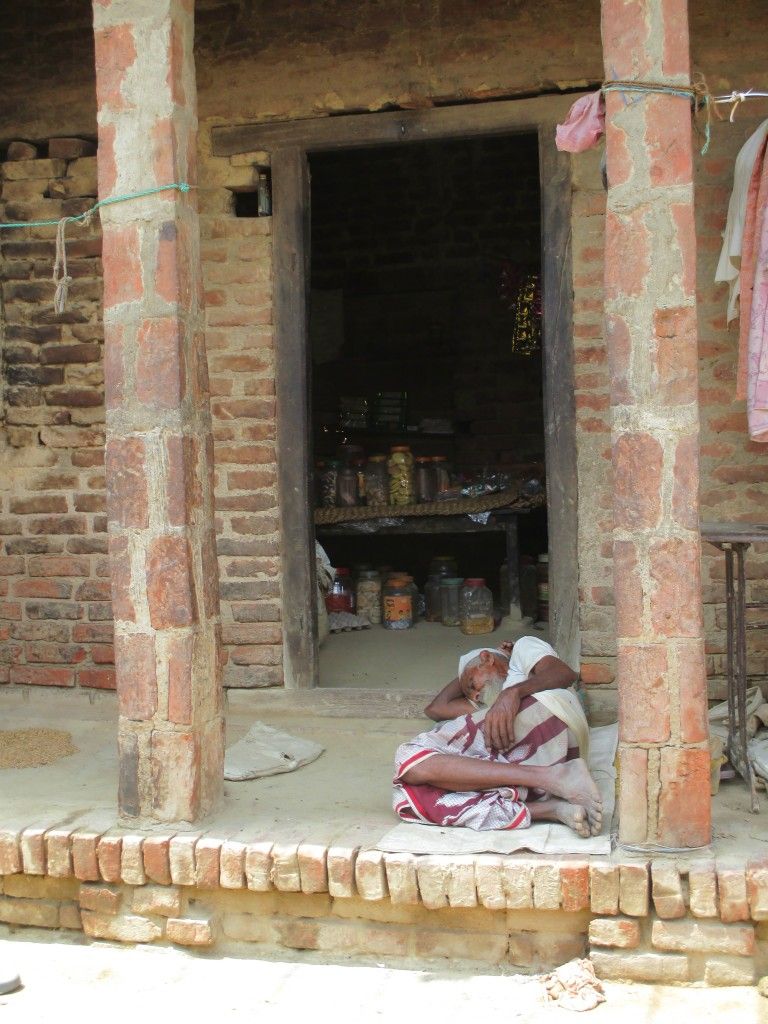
(539, 838)
(267, 751)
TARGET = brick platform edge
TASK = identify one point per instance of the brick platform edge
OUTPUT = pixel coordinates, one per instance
(637, 921)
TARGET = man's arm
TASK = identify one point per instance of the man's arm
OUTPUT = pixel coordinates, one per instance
(450, 703)
(548, 673)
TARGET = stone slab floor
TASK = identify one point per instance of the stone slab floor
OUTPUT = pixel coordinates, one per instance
(122, 984)
(423, 658)
(343, 798)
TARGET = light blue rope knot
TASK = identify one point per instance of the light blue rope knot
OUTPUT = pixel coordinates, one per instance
(686, 92)
(707, 125)
(668, 90)
(180, 186)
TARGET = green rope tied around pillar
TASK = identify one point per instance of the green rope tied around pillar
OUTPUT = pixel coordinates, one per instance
(697, 93)
(180, 186)
(61, 278)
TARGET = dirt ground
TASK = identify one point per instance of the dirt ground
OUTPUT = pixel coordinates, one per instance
(66, 979)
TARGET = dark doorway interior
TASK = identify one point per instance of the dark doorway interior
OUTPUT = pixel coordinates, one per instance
(423, 261)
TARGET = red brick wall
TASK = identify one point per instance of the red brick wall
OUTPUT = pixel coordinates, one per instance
(55, 613)
(734, 470)
(237, 268)
(55, 616)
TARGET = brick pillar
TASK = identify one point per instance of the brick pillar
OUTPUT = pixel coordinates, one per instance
(159, 449)
(650, 323)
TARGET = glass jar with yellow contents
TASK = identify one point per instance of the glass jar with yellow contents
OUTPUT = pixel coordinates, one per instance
(475, 608)
(401, 471)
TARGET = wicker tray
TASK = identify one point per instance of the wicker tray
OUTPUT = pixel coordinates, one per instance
(510, 499)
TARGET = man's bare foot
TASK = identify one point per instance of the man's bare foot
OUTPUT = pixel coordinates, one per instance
(572, 815)
(573, 783)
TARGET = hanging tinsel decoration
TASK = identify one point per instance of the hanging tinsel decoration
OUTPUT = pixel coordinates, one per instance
(520, 291)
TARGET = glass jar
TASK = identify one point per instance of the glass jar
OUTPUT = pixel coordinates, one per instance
(400, 467)
(441, 473)
(449, 600)
(377, 481)
(328, 483)
(347, 487)
(433, 611)
(369, 595)
(475, 608)
(424, 480)
(416, 596)
(397, 603)
(341, 597)
(357, 571)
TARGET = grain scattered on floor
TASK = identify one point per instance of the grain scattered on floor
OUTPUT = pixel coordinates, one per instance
(30, 748)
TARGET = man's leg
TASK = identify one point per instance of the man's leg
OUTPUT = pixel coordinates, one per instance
(570, 781)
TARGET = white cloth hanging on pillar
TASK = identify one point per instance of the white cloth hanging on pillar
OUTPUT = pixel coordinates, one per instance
(728, 266)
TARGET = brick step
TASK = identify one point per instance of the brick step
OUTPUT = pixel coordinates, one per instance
(705, 889)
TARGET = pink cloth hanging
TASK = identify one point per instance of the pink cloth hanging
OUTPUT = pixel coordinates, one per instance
(752, 380)
(584, 125)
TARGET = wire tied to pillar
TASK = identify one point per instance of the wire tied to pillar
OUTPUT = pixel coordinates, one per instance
(735, 99)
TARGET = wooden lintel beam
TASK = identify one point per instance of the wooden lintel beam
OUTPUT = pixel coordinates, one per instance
(349, 131)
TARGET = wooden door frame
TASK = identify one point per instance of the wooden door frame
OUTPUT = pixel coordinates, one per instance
(290, 143)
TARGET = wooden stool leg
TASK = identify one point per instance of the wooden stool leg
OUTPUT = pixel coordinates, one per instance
(513, 567)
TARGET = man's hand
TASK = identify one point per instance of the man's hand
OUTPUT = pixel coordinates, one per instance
(499, 722)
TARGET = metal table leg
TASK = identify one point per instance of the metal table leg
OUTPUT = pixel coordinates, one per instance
(734, 543)
(730, 609)
(736, 666)
(738, 739)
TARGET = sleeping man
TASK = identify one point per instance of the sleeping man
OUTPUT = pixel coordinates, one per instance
(503, 766)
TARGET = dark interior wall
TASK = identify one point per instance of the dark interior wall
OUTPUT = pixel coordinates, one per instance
(414, 240)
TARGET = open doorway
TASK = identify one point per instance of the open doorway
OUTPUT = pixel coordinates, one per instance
(425, 333)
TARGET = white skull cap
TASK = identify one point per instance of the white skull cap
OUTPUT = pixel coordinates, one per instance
(465, 659)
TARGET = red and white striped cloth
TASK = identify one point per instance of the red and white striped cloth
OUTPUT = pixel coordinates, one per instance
(541, 739)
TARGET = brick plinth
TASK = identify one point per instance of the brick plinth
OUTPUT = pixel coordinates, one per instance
(650, 320)
(637, 921)
(159, 450)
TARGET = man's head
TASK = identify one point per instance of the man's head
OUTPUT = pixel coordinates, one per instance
(486, 667)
